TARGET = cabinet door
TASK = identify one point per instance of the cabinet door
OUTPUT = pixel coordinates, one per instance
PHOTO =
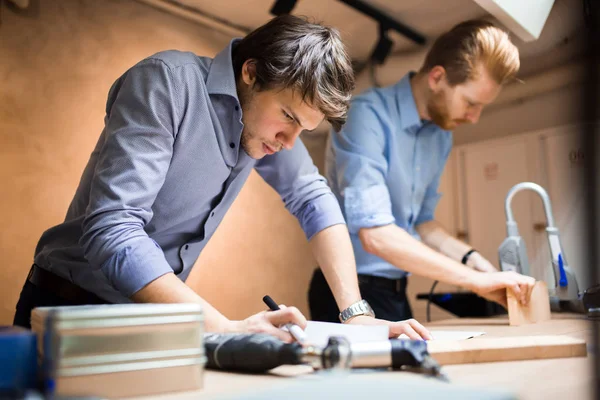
(489, 170)
(563, 160)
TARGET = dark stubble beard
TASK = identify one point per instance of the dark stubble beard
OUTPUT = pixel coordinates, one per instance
(245, 141)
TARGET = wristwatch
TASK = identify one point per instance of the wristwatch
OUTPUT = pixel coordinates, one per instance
(359, 308)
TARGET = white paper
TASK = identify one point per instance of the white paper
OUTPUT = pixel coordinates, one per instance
(450, 335)
(318, 333)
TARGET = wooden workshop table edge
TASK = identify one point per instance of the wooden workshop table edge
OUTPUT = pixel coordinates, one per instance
(227, 383)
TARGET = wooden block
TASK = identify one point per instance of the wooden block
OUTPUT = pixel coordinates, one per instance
(514, 348)
(537, 310)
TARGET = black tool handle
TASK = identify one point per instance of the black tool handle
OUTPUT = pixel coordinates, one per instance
(249, 352)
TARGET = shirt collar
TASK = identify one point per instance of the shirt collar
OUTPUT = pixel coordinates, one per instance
(409, 115)
(220, 81)
(221, 78)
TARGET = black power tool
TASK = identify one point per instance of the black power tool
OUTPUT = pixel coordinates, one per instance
(260, 352)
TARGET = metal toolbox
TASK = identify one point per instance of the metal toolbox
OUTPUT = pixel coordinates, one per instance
(121, 350)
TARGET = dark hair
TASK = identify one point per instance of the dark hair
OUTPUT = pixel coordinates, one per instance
(470, 44)
(290, 52)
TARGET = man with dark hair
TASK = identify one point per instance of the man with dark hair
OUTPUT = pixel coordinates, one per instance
(384, 167)
(181, 135)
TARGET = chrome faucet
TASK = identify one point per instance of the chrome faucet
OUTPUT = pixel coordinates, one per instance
(513, 253)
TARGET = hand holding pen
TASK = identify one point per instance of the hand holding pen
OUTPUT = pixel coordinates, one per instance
(294, 329)
(271, 322)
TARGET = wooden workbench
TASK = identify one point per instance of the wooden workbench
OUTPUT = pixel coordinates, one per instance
(565, 378)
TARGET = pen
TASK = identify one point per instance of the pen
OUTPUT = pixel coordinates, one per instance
(294, 329)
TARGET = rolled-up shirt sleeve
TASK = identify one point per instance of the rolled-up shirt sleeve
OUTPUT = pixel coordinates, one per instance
(132, 164)
(361, 168)
(303, 190)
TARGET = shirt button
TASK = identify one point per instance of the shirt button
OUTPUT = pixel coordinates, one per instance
(418, 168)
(186, 247)
(232, 145)
(212, 214)
(237, 108)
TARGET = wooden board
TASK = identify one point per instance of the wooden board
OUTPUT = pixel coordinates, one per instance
(514, 348)
(537, 310)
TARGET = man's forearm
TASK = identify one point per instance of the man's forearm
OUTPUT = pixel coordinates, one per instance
(435, 236)
(170, 289)
(400, 249)
(333, 251)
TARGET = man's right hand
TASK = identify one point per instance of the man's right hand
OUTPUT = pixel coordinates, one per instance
(493, 285)
(170, 289)
(270, 321)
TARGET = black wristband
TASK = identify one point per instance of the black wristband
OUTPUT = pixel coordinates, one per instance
(466, 256)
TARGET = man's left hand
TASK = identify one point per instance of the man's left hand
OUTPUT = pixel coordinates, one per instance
(410, 327)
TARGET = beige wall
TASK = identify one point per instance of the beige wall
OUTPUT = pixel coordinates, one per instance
(55, 70)
(563, 106)
(259, 249)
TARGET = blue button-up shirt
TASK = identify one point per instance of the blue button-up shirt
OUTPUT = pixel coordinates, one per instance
(385, 166)
(167, 167)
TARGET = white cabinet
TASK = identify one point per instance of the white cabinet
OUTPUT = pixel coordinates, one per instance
(562, 162)
(487, 170)
(476, 181)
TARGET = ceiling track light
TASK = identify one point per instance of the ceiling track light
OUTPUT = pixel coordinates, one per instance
(384, 44)
(385, 20)
(383, 47)
(281, 7)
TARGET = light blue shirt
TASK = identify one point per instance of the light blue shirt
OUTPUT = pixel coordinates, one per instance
(167, 167)
(384, 167)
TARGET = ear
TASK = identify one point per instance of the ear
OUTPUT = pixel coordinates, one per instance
(249, 72)
(436, 77)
